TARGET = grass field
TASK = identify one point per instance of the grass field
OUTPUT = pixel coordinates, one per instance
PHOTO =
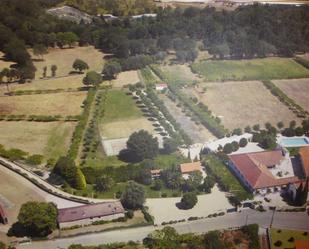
(296, 89)
(49, 139)
(73, 82)
(66, 103)
(179, 74)
(126, 78)
(285, 235)
(122, 117)
(255, 69)
(239, 104)
(220, 170)
(64, 58)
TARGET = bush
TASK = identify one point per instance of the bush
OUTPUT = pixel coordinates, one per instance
(243, 142)
(130, 214)
(188, 200)
(35, 159)
(278, 243)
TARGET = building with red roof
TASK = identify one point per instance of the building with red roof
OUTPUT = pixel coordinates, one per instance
(86, 214)
(254, 169)
(300, 244)
(3, 216)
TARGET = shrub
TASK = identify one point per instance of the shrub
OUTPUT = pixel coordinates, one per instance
(35, 159)
(278, 243)
(130, 214)
(188, 200)
(243, 142)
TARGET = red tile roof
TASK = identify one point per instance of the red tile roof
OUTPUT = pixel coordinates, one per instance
(89, 211)
(253, 167)
(304, 154)
(186, 168)
(300, 244)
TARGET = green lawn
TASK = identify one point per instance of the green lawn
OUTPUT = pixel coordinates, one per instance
(220, 170)
(120, 106)
(285, 235)
(166, 161)
(255, 69)
(175, 74)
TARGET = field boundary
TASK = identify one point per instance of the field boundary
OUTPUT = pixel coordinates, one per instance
(285, 99)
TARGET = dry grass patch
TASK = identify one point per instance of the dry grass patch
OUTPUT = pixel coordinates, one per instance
(239, 104)
(64, 59)
(123, 129)
(15, 192)
(49, 139)
(296, 89)
(66, 103)
(73, 82)
(126, 78)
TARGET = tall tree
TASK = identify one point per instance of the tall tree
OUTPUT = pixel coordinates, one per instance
(133, 196)
(80, 65)
(39, 50)
(143, 145)
(111, 69)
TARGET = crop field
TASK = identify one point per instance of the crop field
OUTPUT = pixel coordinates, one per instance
(64, 58)
(255, 69)
(66, 103)
(296, 89)
(50, 139)
(74, 81)
(285, 237)
(126, 78)
(179, 74)
(239, 104)
(122, 117)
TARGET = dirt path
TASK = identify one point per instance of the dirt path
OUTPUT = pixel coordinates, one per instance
(198, 133)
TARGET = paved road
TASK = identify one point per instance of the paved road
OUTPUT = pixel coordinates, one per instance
(298, 221)
(56, 199)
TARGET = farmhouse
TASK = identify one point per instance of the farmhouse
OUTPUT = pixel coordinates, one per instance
(259, 171)
(187, 168)
(304, 156)
(86, 214)
(3, 217)
(161, 86)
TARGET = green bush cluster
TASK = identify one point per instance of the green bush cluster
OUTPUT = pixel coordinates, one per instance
(80, 127)
(294, 107)
(302, 61)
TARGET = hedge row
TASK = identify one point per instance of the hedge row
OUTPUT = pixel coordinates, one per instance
(39, 118)
(277, 92)
(47, 91)
(80, 127)
(90, 140)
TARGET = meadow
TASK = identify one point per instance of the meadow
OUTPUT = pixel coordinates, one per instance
(285, 236)
(50, 139)
(255, 69)
(122, 117)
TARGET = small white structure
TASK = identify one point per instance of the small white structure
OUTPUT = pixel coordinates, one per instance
(161, 86)
(214, 145)
(145, 15)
